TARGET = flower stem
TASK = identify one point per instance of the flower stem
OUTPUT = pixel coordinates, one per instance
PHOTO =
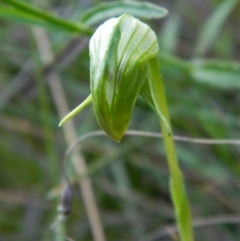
(177, 187)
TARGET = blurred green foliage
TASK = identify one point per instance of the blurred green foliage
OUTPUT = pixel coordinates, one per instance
(199, 58)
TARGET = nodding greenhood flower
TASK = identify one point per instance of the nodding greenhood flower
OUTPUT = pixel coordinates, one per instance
(121, 50)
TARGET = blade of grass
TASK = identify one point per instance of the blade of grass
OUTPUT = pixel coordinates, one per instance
(45, 111)
(30, 14)
(16, 15)
(213, 26)
(169, 34)
(116, 8)
(217, 73)
(123, 185)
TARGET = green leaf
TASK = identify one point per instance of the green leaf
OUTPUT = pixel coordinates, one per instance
(19, 16)
(27, 13)
(108, 10)
(119, 53)
(221, 74)
(213, 26)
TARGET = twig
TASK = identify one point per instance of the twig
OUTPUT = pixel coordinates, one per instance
(202, 141)
(70, 134)
(15, 84)
(24, 79)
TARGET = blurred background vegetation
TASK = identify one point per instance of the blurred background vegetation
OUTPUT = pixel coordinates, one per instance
(199, 53)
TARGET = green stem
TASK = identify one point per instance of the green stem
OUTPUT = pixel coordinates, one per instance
(30, 9)
(177, 187)
(78, 109)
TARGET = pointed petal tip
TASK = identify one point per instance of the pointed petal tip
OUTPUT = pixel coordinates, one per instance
(116, 136)
(117, 139)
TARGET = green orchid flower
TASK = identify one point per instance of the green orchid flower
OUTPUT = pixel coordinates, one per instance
(123, 64)
(120, 54)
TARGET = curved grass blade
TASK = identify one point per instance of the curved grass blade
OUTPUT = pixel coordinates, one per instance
(170, 34)
(22, 17)
(108, 10)
(213, 26)
(29, 14)
(221, 74)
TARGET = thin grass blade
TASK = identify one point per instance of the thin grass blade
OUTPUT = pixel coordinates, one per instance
(221, 74)
(213, 26)
(30, 14)
(108, 10)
